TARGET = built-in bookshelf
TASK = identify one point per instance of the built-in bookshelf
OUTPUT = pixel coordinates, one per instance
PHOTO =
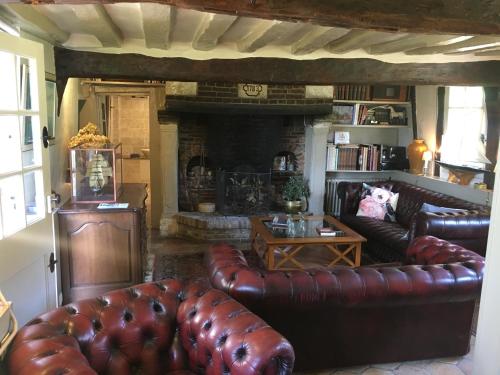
(369, 116)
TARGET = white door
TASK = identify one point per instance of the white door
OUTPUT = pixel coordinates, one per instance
(26, 237)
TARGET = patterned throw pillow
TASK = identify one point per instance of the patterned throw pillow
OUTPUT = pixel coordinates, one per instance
(378, 203)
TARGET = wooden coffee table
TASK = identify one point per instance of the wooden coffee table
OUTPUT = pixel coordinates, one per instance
(280, 251)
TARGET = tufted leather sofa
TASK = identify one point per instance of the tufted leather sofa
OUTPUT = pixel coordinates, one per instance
(153, 328)
(387, 241)
(371, 314)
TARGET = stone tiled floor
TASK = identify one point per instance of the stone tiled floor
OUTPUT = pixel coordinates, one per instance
(444, 366)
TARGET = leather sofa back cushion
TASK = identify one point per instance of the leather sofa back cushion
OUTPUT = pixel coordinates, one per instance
(412, 197)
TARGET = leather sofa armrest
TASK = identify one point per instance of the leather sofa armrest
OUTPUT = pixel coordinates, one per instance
(427, 250)
(349, 194)
(99, 335)
(222, 336)
(41, 348)
(463, 225)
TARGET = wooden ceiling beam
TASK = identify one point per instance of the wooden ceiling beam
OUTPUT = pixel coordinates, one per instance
(462, 17)
(317, 38)
(467, 44)
(82, 64)
(263, 33)
(98, 22)
(33, 17)
(157, 24)
(357, 39)
(211, 28)
(407, 43)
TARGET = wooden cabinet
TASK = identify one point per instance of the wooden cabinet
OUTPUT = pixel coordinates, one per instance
(102, 249)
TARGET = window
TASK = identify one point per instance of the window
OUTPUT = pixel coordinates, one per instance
(21, 177)
(464, 137)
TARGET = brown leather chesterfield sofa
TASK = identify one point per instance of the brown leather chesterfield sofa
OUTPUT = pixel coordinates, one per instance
(387, 242)
(153, 328)
(371, 314)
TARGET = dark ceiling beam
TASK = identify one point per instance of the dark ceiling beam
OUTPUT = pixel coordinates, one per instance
(465, 17)
(70, 63)
(82, 64)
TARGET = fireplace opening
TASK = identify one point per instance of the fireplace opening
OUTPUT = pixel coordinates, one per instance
(239, 162)
(200, 180)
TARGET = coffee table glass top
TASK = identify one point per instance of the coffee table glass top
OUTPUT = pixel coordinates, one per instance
(309, 229)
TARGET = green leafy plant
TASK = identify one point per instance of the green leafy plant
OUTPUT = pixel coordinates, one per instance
(295, 189)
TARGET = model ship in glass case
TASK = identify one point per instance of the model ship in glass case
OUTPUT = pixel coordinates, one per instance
(96, 173)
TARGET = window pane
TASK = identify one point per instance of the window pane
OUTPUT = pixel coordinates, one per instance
(33, 196)
(27, 84)
(475, 96)
(8, 94)
(466, 127)
(457, 96)
(31, 143)
(10, 145)
(12, 202)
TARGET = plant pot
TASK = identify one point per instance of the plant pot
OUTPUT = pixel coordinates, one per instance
(293, 207)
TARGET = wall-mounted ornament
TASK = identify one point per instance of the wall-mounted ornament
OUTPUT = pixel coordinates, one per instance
(252, 91)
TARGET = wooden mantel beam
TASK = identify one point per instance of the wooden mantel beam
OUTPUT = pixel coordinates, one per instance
(464, 17)
(82, 64)
(70, 63)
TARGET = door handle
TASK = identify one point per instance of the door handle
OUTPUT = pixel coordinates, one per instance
(45, 137)
(52, 201)
(52, 263)
(55, 197)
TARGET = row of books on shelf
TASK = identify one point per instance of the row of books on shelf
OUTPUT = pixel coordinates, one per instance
(352, 92)
(345, 157)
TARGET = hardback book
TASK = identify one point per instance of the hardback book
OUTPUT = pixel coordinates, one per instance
(329, 231)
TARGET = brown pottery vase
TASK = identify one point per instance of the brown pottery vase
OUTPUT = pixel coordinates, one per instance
(415, 151)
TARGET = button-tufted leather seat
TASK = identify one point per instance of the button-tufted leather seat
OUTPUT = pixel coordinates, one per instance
(388, 241)
(153, 328)
(374, 314)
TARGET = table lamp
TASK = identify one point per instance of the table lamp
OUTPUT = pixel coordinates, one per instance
(426, 157)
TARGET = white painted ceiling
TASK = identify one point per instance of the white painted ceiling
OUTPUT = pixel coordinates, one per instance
(165, 31)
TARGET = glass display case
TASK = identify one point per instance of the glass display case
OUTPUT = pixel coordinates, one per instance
(96, 174)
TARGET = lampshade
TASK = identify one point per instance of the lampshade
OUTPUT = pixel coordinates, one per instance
(427, 155)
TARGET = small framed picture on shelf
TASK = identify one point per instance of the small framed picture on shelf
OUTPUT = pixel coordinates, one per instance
(341, 138)
(343, 114)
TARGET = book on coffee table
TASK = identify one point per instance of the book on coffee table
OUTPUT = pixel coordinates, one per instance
(329, 231)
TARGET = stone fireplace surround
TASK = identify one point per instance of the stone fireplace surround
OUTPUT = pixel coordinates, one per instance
(232, 140)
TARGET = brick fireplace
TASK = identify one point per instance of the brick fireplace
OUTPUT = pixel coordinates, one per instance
(222, 138)
(241, 146)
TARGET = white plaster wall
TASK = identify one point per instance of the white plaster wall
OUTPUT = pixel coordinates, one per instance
(486, 358)
(426, 100)
(66, 127)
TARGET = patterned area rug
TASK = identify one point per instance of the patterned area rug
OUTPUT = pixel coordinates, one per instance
(189, 266)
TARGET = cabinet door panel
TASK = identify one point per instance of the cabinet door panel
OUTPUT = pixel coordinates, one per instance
(100, 252)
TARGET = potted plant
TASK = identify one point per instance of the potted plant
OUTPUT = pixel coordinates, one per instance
(295, 194)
